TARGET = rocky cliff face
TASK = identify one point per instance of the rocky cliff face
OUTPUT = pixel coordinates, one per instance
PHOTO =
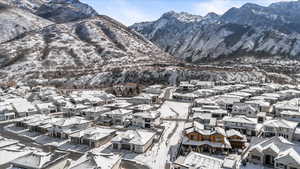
(251, 30)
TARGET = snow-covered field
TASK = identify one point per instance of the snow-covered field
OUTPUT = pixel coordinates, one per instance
(174, 109)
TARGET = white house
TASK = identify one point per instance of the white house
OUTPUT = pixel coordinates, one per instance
(93, 137)
(290, 115)
(7, 112)
(137, 141)
(41, 160)
(201, 161)
(64, 127)
(93, 160)
(274, 152)
(247, 109)
(147, 119)
(46, 108)
(243, 124)
(279, 127)
(94, 113)
(115, 117)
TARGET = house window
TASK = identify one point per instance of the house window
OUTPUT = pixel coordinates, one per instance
(279, 165)
(254, 157)
(115, 146)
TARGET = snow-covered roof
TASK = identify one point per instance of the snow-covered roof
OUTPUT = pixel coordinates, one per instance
(118, 112)
(137, 137)
(233, 132)
(7, 142)
(43, 106)
(37, 160)
(199, 161)
(280, 123)
(97, 109)
(93, 160)
(94, 133)
(71, 121)
(147, 114)
(240, 119)
(286, 151)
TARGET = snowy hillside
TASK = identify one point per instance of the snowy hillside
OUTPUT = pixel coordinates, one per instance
(251, 30)
(15, 21)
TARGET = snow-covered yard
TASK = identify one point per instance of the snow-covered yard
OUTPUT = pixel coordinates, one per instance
(174, 109)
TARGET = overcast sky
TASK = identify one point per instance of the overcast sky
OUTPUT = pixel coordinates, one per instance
(133, 11)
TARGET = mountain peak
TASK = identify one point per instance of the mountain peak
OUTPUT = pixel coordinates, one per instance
(250, 6)
(182, 16)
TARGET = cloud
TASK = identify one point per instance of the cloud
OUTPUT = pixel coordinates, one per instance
(221, 6)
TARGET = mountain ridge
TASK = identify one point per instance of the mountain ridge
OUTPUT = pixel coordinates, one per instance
(251, 30)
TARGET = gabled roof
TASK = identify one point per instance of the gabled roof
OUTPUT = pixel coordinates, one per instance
(290, 156)
(198, 161)
(93, 160)
(37, 160)
(71, 121)
(137, 137)
(240, 119)
(275, 144)
(280, 123)
(94, 133)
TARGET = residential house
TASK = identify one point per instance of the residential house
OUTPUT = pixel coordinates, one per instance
(202, 84)
(247, 109)
(129, 89)
(275, 152)
(147, 119)
(197, 161)
(93, 137)
(143, 98)
(290, 105)
(236, 139)
(204, 101)
(290, 115)
(205, 119)
(264, 105)
(67, 126)
(154, 89)
(226, 101)
(22, 107)
(94, 113)
(41, 160)
(186, 86)
(188, 97)
(26, 121)
(6, 112)
(46, 108)
(43, 125)
(92, 160)
(279, 127)
(137, 141)
(243, 124)
(116, 117)
(198, 139)
(73, 109)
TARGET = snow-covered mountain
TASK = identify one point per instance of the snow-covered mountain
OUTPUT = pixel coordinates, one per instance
(15, 21)
(58, 11)
(70, 37)
(250, 30)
